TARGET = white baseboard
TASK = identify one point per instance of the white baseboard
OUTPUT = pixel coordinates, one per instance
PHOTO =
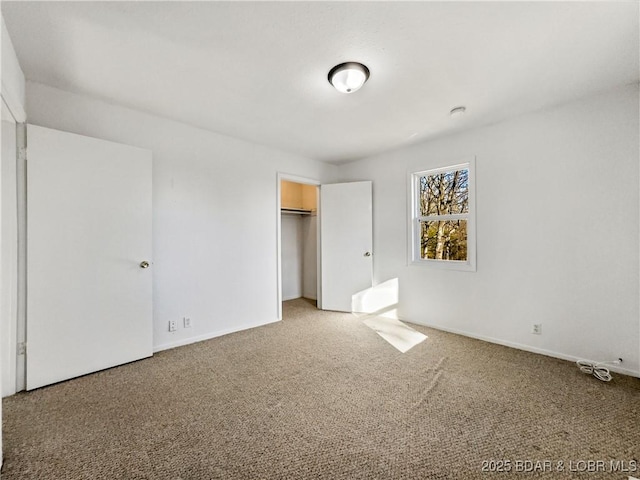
(526, 348)
(208, 336)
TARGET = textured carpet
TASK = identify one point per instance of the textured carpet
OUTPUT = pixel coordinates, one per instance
(321, 396)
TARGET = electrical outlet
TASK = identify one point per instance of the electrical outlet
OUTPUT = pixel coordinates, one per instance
(187, 322)
(536, 329)
(173, 325)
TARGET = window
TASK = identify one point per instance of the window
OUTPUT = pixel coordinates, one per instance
(442, 224)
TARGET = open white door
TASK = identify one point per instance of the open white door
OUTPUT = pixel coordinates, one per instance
(346, 230)
(89, 232)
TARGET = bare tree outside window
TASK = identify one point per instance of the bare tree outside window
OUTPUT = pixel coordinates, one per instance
(444, 194)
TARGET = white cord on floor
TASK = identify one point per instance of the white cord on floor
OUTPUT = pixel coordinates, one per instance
(596, 369)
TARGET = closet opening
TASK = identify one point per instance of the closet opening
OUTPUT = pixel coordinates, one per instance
(298, 245)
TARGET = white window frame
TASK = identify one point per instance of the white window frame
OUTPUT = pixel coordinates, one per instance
(413, 235)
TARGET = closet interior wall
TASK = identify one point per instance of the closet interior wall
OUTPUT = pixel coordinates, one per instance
(299, 233)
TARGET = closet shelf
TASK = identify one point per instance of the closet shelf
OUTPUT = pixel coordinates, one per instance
(295, 211)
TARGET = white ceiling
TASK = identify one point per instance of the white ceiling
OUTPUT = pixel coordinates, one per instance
(258, 70)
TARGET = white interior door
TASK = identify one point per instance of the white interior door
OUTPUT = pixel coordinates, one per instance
(346, 230)
(88, 232)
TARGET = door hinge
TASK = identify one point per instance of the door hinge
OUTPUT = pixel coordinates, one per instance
(22, 348)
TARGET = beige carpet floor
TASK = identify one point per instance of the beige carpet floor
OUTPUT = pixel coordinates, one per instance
(322, 396)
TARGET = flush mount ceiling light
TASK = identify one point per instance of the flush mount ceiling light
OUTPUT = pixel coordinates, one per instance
(348, 77)
(457, 112)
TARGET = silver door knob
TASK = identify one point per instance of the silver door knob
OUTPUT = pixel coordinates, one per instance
(144, 264)
(367, 254)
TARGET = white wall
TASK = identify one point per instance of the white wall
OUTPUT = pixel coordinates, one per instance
(214, 212)
(291, 242)
(557, 229)
(13, 82)
(310, 256)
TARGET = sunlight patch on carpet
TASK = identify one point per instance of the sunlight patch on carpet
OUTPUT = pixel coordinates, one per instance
(398, 334)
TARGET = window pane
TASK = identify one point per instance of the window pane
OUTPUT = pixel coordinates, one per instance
(444, 193)
(444, 240)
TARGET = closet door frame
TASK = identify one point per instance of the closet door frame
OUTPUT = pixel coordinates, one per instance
(306, 181)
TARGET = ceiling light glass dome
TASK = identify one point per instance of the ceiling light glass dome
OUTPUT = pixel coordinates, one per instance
(348, 77)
